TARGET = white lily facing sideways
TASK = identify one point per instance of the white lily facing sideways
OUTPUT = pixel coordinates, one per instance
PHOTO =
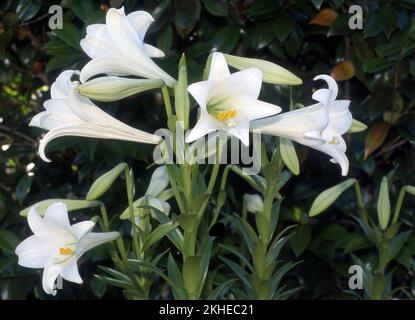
(70, 114)
(318, 126)
(117, 48)
(56, 245)
(228, 101)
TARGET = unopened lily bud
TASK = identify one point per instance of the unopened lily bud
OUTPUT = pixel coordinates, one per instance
(115, 88)
(271, 72)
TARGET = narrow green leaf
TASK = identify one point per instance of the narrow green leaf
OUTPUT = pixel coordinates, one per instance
(157, 234)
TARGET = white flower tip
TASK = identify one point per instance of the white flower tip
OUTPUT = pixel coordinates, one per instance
(332, 84)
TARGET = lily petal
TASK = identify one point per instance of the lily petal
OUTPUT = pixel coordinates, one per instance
(42, 228)
(260, 109)
(71, 273)
(218, 67)
(50, 274)
(34, 252)
(152, 51)
(140, 21)
(81, 228)
(94, 131)
(240, 88)
(97, 42)
(204, 126)
(94, 239)
(241, 131)
(200, 91)
(63, 83)
(57, 213)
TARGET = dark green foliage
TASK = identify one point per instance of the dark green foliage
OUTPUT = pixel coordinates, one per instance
(382, 90)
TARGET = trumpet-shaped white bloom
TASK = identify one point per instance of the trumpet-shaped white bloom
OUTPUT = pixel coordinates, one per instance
(229, 101)
(70, 114)
(117, 48)
(319, 126)
(56, 245)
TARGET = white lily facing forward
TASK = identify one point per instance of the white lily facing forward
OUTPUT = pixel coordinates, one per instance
(117, 48)
(228, 101)
(56, 245)
(70, 114)
(319, 126)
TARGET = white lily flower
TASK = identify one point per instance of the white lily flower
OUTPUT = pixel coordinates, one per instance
(319, 126)
(117, 48)
(70, 114)
(229, 101)
(57, 245)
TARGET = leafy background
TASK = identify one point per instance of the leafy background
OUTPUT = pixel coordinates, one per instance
(375, 68)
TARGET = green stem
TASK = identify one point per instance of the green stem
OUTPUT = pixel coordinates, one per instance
(263, 220)
(130, 195)
(360, 205)
(187, 184)
(398, 206)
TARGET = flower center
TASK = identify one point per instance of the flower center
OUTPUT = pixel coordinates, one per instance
(66, 251)
(334, 140)
(226, 115)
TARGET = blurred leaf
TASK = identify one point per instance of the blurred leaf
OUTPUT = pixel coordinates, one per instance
(225, 39)
(343, 71)
(324, 18)
(27, 9)
(83, 9)
(283, 26)
(165, 38)
(187, 13)
(216, 7)
(8, 241)
(375, 137)
(301, 238)
(23, 188)
(340, 26)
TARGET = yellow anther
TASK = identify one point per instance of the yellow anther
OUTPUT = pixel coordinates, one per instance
(226, 115)
(334, 140)
(66, 251)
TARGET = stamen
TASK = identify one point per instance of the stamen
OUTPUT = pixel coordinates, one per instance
(66, 251)
(334, 140)
(226, 115)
